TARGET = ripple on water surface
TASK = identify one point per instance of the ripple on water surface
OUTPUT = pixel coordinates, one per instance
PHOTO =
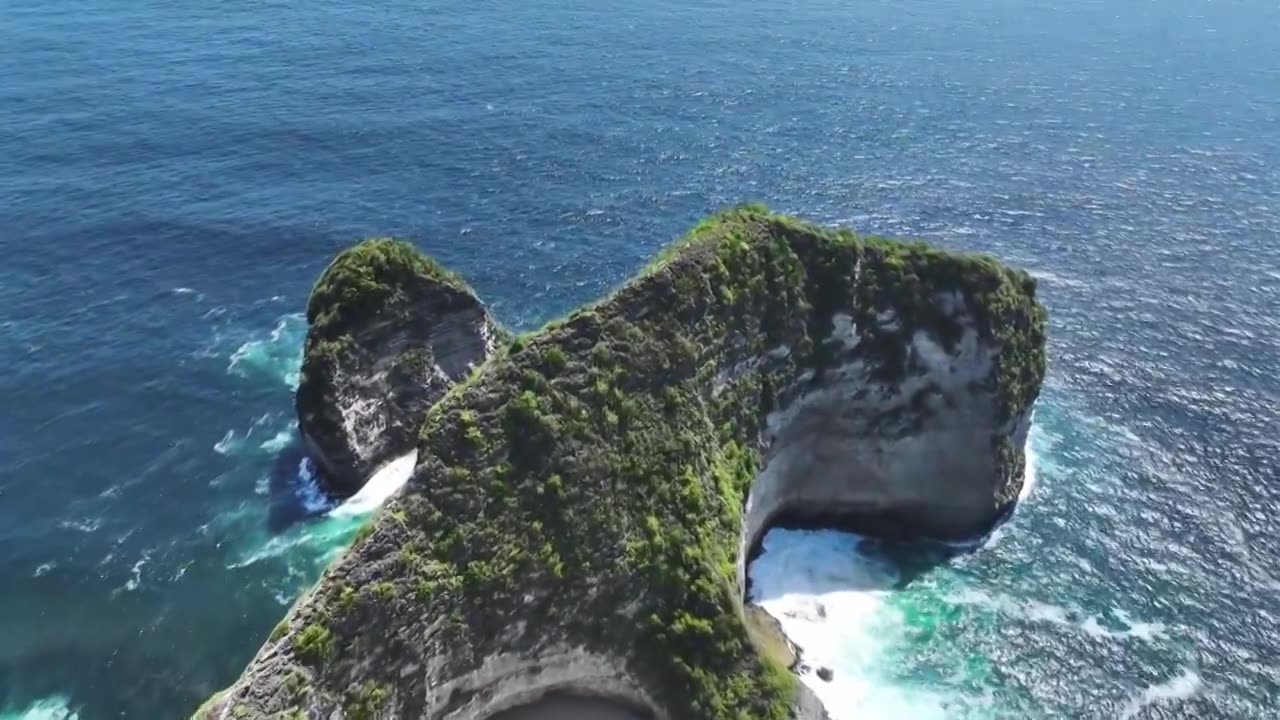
(175, 176)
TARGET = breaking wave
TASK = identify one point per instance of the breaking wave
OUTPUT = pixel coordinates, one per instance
(277, 356)
(382, 485)
(1182, 687)
(325, 527)
(51, 708)
(831, 593)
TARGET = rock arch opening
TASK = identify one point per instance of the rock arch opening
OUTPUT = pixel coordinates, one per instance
(916, 457)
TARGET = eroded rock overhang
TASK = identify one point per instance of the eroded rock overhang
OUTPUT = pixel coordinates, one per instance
(915, 456)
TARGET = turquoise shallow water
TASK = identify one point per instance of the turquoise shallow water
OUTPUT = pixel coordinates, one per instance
(173, 176)
(1032, 621)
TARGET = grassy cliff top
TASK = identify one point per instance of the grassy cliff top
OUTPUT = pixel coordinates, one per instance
(378, 280)
(585, 487)
(365, 278)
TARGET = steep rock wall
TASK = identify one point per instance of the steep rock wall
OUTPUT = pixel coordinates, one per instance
(390, 332)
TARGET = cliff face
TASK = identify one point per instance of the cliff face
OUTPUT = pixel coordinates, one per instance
(928, 445)
(390, 331)
(583, 504)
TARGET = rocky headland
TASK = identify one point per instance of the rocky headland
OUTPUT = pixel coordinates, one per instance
(389, 331)
(586, 497)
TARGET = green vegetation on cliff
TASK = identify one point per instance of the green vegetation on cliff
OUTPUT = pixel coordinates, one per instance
(365, 278)
(360, 284)
(585, 488)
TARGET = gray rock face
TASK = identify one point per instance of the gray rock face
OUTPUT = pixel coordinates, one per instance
(569, 707)
(919, 455)
(916, 456)
(363, 394)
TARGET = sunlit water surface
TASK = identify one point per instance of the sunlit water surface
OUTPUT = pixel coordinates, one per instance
(174, 175)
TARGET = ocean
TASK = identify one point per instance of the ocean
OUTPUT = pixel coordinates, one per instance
(174, 176)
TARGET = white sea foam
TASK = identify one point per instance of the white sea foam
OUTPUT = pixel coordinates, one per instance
(278, 356)
(51, 708)
(830, 598)
(86, 525)
(1182, 687)
(830, 594)
(382, 485)
(320, 540)
(1036, 439)
(188, 292)
(277, 442)
(136, 572)
(324, 538)
(309, 492)
(1137, 629)
(227, 444)
(234, 444)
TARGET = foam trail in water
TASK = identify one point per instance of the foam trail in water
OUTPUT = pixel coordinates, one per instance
(1119, 625)
(312, 543)
(320, 540)
(1182, 687)
(388, 479)
(136, 572)
(279, 356)
(279, 441)
(52, 708)
(233, 444)
(227, 444)
(1034, 439)
(308, 491)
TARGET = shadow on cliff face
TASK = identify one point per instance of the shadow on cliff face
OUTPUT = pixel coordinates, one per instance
(572, 707)
(881, 564)
(294, 493)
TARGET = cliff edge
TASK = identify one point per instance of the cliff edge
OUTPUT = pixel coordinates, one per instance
(584, 504)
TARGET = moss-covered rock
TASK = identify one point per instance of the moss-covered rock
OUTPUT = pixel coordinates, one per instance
(389, 332)
(583, 503)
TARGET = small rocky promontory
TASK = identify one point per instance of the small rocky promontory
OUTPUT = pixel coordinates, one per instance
(389, 332)
(577, 526)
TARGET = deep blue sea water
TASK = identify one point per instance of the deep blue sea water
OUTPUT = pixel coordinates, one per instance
(174, 175)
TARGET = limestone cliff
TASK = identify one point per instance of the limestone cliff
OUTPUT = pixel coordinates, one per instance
(582, 506)
(389, 332)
